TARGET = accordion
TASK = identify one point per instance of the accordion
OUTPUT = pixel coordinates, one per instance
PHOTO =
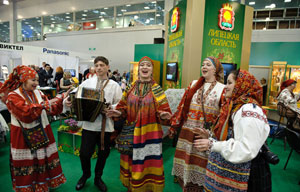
(87, 104)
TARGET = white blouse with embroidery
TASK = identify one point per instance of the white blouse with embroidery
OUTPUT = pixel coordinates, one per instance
(251, 129)
(288, 100)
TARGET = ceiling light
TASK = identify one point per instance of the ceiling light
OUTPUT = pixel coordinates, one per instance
(102, 19)
(39, 21)
(67, 17)
(83, 19)
(52, 25)
(5, 2)
(103, 13)
(128, 5)
(287, 1)
(73, 8)
(95, 11)
(26, 22)
(84, 15)
(52, 19)
(53, 22)
(252, 3)
(153, 2)
(151, 19)
(85, 11)
(136, 17)
(20, 17)
(44, 13)
(270, 6)
(268, 19)
(146, 7)
(67, 13)
(50, 30)
(117, 23)
(68, 20)
(119, 14)
(106, 8)
(123, 10)
(31, 27)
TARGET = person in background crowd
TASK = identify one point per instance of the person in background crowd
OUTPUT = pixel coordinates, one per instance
(144, 105)
(59, 72)
(99, 131)
(127, 76)
(37, 68)
(66, 81)
(123, 84)
(40, 169)
(198, 108)
(80, 76)
(92, 73)
(85, 73)
(289, 99)
(124, 75)
(239, 134)
(113, 77)
(45, 76)
(264, 85)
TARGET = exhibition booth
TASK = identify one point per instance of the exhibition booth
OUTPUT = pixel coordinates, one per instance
(196, 29)
(12, 55)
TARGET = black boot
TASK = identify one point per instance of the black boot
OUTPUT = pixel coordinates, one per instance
(100, 184)
(81, 182)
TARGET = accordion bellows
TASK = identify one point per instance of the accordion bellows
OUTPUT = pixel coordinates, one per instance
(87, 104)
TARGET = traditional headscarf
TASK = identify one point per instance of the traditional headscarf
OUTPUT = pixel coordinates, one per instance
(246, 90)
(285, 84)
(145, 59)
(180, 116)
(19, 75)
(219, 68)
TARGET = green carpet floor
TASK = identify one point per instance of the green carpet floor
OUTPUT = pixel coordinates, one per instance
(282, 180)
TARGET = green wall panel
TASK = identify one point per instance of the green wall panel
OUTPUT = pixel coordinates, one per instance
(263, 53)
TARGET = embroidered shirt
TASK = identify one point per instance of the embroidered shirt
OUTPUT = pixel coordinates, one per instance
(251, 130)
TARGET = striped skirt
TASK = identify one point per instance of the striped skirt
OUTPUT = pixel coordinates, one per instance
(223, 176)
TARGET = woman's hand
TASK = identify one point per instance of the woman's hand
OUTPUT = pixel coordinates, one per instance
(165, 115)
(201, 133)
(202, 144)
(113, 113)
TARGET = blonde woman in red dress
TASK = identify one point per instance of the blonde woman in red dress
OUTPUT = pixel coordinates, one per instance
(37, 170)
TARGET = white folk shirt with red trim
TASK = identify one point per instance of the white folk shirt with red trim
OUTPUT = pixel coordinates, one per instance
(251, 130)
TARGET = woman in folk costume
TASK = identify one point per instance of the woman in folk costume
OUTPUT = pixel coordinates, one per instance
(287, 97)
(31, 170)
(145, 105)
(240, 132)
(201, 103)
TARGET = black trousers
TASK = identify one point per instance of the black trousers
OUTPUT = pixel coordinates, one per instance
(89, 140)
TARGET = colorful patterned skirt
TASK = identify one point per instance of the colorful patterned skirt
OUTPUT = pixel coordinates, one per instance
(189, 164)
(223, 176)
(137, 179)
(38, 171)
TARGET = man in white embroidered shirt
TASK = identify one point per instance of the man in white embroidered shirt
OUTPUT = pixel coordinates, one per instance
(92, 133)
